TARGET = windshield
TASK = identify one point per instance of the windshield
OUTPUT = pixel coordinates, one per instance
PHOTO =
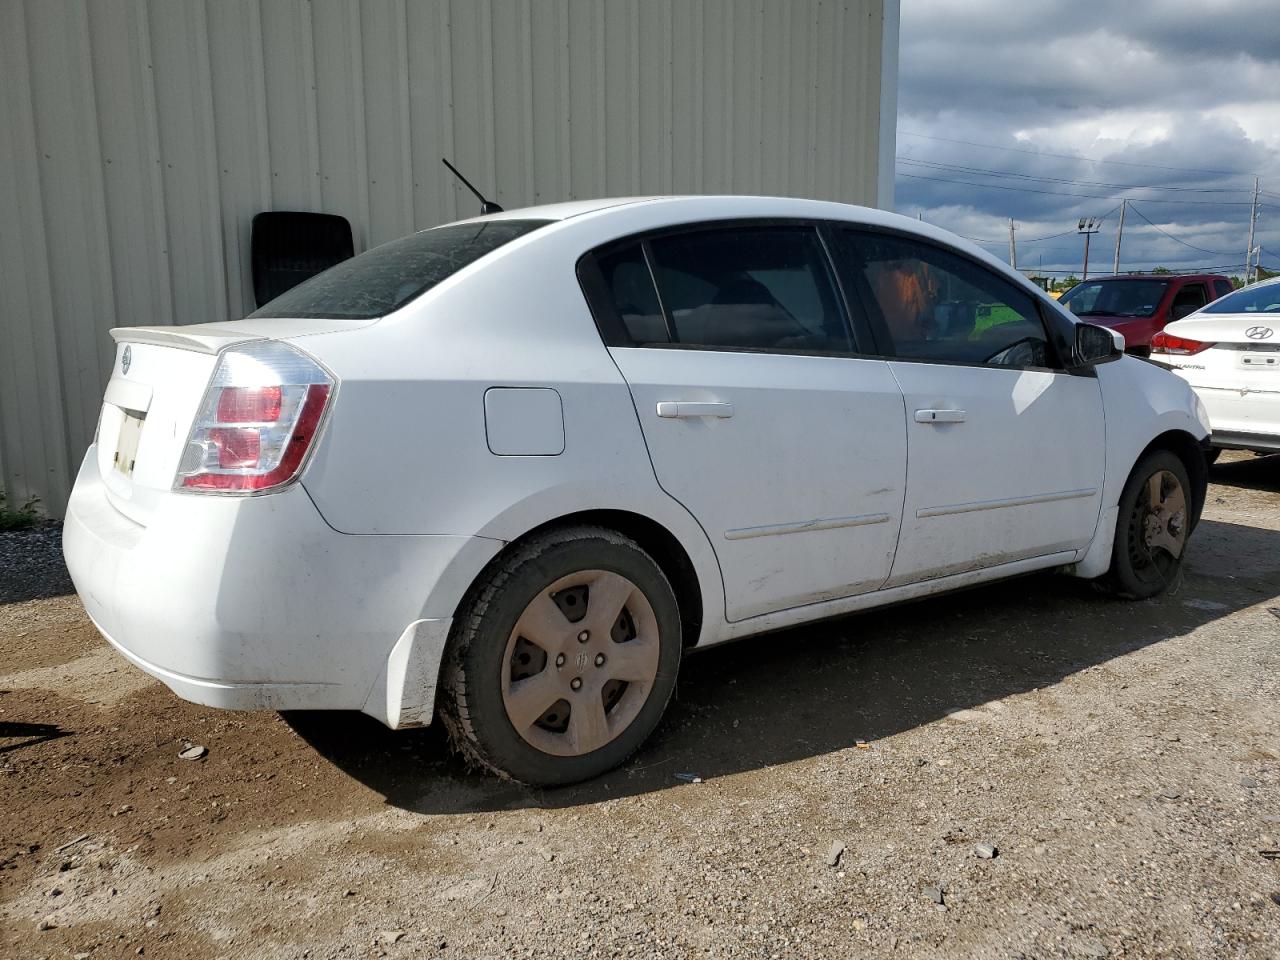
(1260, 298)
(1115, 298)
(389, 276)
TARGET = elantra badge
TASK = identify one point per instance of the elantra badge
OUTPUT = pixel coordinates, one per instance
(1258, 333)
(126, 358)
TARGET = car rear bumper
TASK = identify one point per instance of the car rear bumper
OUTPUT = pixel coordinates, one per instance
(1248, 420)
(256, 603)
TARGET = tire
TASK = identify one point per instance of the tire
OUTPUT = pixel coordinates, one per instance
(1211, 456)
(1151, 542)
(529, 658)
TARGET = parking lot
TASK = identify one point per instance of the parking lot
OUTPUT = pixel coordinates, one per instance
(1123, 759)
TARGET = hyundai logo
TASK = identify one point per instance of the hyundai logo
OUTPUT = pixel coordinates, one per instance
(126, 358)
(1258, 333)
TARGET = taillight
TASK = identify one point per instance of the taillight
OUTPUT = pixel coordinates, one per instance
(258, 422)
(1164, 342)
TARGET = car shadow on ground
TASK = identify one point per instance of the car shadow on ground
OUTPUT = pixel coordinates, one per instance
(1261, 472)
(809, 691)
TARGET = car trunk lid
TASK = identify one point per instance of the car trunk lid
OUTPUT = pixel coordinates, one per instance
(157, 384)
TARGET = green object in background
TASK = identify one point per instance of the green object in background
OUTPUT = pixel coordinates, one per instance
(993, 315)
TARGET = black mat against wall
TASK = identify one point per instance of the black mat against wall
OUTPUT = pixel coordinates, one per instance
(288, 247)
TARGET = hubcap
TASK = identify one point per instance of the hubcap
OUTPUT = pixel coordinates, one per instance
(580, 663)
(1158, 531)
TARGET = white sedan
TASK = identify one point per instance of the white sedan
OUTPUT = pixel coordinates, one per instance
(508, 471)
(1229, 352)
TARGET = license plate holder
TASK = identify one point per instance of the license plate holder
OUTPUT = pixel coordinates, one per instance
(126, 454)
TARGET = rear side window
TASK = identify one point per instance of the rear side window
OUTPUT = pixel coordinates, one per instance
(736, 288)
(1221, 287)
(934, 305)
(761, 288)
(389, 276)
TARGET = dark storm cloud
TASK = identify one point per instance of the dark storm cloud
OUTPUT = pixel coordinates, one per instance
(1161, 86)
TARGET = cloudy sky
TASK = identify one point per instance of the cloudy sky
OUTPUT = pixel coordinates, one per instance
(1069, 106)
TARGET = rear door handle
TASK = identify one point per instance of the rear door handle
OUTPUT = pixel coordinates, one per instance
(940, 416)
(687, 409)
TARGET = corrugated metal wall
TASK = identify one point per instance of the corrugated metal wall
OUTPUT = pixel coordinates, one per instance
(140, 136)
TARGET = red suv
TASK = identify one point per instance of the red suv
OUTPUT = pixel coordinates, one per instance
(1139, 306)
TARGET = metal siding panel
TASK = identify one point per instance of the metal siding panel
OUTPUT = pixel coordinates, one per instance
(32, 401)
(240, 130)
(73, 209)
(340, 104)
(289, 81)
(131, 166)
(189, 155)
(387, 143)
(430, 111)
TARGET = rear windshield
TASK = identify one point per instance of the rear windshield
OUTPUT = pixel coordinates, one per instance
(1262, 298)
(1115, 298)
(389, 276)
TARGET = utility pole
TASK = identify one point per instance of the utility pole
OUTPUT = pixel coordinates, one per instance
(1013, 246)
(1124, 203)
(1253, 220)
(1088, 226)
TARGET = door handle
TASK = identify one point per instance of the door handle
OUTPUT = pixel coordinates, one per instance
(940, 416)
(688, 409)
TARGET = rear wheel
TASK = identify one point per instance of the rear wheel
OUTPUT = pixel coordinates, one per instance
(1152, 529)
(562, 659)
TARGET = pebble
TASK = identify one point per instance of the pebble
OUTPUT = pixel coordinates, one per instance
(934, 894)
(391, 936)
(46, 924)
(834, 853)
(986, 851)
(1170, 794)
(1093, 947)
(193, 751)
(1248, 782)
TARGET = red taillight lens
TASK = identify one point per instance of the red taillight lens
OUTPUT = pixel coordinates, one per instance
(252, 436)
(1164, 342)
(249, 404)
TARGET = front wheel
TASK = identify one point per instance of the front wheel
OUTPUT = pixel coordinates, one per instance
(1152, 529)
(562, 658)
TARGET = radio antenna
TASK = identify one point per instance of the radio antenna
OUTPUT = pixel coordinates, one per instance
(486, 206)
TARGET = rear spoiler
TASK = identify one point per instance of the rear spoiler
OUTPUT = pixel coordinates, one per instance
(179, 339)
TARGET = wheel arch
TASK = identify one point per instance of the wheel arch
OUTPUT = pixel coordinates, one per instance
(1186, 448)
(652, 537)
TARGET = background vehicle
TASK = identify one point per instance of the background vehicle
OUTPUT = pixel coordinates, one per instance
(1140, 306)
(1230, 353)
(513, 467)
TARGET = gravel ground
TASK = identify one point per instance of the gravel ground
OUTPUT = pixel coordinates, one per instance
(31, 563)
(1122, 760)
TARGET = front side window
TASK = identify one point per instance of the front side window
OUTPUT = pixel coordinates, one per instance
(1188, 300)
(934, 305)
(390, 275)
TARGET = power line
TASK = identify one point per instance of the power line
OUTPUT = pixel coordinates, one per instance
(1067, 156)
(1061, 193)
(1083, 183)
(1134, 208)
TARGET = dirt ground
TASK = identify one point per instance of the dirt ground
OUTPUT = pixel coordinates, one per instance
(1121, 757)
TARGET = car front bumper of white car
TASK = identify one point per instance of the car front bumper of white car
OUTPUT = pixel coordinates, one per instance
(257, 603)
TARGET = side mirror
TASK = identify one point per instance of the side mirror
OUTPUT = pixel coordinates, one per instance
(1095, 344)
